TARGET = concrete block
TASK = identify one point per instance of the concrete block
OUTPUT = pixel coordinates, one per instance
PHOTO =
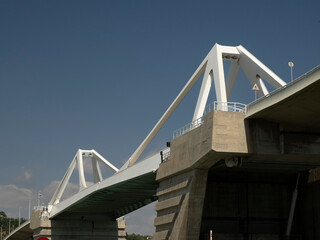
(161, 235)
(172, 202)
(164, 219)
(176, 187)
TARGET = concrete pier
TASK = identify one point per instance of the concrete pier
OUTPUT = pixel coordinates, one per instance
(236, 177)
(68, 227)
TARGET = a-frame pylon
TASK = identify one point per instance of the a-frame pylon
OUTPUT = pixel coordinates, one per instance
(78, 161)
(255, 71)
(212, 70)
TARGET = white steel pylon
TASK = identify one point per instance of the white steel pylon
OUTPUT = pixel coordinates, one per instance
(254, 70)
(212, 68)
(78, 160)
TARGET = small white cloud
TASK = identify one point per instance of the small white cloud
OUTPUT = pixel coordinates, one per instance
(24, 176)
(27, 175)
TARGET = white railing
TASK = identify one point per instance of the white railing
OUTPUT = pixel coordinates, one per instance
(165, 156)
(226, 106)
(194, 124)
(220, 106)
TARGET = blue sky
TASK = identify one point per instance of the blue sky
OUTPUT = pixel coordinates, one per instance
(99, 74)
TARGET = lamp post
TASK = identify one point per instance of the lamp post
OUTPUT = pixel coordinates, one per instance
(291, 64)
(9, 225)
(29, 204)
(19, 215)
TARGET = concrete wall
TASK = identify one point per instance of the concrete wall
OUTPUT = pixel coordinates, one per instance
(272, 138)
(241, 207)
(183, 178)
(199, 193)
(180, 198)
(221, 136)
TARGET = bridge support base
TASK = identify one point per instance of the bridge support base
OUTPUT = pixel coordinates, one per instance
(84, 228)
(179, 209)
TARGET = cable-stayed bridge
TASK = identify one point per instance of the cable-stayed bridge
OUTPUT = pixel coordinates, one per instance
(234, 164)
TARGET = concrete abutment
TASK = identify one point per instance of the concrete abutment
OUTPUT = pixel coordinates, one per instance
(250, 199)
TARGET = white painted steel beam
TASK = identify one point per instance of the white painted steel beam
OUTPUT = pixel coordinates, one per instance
(252, 66)
(214, 70)
(204, 93)
(78, 160)
(63, 184)
(212, 67)
(97, 176)
(82, 180)
(105, 161)
(262, 86)
(218, 73)
(194, 78)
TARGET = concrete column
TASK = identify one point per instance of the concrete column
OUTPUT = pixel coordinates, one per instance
(179, 208)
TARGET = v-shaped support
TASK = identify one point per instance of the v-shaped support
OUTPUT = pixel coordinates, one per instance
(254, 70)
(78, 160)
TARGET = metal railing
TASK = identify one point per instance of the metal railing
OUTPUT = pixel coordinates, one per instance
(220, 106)
(164, 156)
(226, 106)
(194, 124)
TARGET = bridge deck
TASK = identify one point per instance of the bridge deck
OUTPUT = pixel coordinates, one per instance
(21, 233)
(117, 195)
(296, 102)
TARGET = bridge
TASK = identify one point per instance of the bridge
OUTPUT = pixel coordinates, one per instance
(233, 165)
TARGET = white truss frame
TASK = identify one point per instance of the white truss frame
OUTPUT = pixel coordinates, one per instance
(212, 67)
(78, 160)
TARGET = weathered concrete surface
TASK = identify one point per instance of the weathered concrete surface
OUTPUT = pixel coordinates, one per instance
(221, 136)
(252, 200)
(77, 227)
(178, 207)
(183, 178)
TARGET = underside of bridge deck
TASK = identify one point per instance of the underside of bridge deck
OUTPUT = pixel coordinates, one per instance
(296, 104)
(96, 216)
(116, 200)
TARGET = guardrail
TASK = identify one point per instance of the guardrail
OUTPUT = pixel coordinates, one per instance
(194, 124)
(226, 106)
(164, 156)
(220, 106)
